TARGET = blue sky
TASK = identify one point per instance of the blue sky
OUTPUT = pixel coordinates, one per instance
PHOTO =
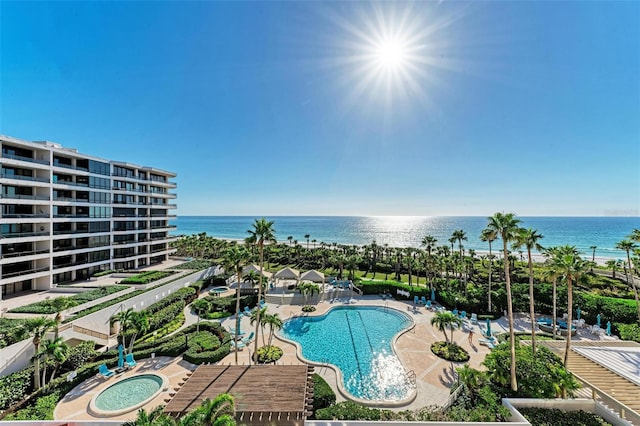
(268, 108)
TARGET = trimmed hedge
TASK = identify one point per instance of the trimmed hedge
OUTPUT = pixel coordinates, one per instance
(46, 307)
(12, 331)
(196, 265)
(146, 277)
(323, 395)
(553, 416)
(102, 305)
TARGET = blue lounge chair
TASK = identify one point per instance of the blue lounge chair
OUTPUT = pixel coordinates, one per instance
(130, 361)
(474, 318)
(247, 311)
(416, 300)
(424, 300)
(463, 315)
(104, 371)
(428, 304)
(235, 344)
(248, 339)
(455, 312)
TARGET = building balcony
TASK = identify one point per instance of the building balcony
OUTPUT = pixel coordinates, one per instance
(27, 159)
(25, 178)
(69, 166)
(25, 197)
(24, 234)
(24, 253)
(24, 272)
(25, 215)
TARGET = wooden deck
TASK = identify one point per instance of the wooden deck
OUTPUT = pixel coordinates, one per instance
(263, 393)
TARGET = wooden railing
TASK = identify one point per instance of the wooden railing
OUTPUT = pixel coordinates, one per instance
(613, 404)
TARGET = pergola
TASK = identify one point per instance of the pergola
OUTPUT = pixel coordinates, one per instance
(255, 268)
(263, 394)
(287, 274)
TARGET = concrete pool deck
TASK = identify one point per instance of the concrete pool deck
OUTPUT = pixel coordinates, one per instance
(75, 404)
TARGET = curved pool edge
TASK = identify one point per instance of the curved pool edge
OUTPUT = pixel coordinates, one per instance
(339, 379)
(95, 411)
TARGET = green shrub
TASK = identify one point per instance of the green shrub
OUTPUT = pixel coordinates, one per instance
(12, 331)
(268, 354)
(555, 417)
(450, 351)
(196, 265)
(628, 331)
(46, 307)
(15, 387)
(216, 315)
(79, 355)
(103, 305)
(323, 395)
(41, 410)
(308, 308)
(103, 273)
(146, 277)
(349, 410)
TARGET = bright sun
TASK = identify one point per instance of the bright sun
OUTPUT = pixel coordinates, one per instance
(390, 54)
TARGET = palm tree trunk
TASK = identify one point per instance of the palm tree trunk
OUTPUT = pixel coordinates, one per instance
(532, 312)
(239, 271)
(512, 334)
(490, 271)
(631, 281)
(555, 315)
(36, 366)
(569, 319)
(255, 343)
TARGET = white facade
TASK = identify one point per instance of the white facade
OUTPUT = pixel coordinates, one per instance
(65, 216)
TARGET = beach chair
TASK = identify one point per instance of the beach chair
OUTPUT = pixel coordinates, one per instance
(104, 371)
(455, 312)
(247, 311)
(130, 361)
(463, 315)
(474, 318)
(248, 339)
(428, 305)
(424, 300)
(239, 345)
(416, 300)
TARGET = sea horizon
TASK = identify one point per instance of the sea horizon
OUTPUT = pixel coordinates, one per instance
(603, 232)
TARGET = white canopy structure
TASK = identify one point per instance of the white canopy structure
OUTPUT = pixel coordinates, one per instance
(255, 268)
(313, 276)
(287, 274)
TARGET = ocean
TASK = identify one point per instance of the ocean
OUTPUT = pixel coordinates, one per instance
(401, 231)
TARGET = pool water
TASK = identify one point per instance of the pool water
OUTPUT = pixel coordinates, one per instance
(358, 341)
(218, 289)
(128, 392)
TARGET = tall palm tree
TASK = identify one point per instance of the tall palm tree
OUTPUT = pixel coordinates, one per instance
(459, 235)
(38, 327)
(125, 319)
(61, 304)
(593, 255)
(306, 237)
(262, 232)
(442, 320)
(275, 323)
(200, 306)
(56, 350)
(156, 417)
(570, 266)
(627, 246)
(429, 243)
(551, 273)
(614, 265)
(140, 325)
(529, 238)
(254, 319)
(489, 235)
(506, 225)
(235, 257)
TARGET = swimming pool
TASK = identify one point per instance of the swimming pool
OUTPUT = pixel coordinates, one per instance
(218, 290)
(128, 394)
(358, 341)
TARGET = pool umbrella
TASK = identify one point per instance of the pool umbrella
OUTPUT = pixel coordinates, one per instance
(120, 356)
(598, 320)
(608, 328)
(488, 333)
(578, 313)
(433, 294)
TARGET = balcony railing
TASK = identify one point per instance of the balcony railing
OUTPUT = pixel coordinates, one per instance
(24, 253)
(24, 272)
(26, 197)
(24, 215)
(116, 243)
(22, 177)
(23, 234)
(21, 158)
(69, 166)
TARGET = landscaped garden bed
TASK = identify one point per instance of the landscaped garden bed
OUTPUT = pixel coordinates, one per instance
(46, 307)
(146, 277)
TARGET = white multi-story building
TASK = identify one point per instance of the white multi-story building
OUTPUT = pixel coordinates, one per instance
(66, 215)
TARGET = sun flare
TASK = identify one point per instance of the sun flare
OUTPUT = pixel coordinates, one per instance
(391, 54)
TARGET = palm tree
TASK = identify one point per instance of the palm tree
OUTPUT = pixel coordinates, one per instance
(614, 265)
(506, 225)
(200, 307)
(550, 273)
(55, 349)
(442, 320)
(234, 259)
(459, 235)
(259, 316)
(570, 266)
(61, 304)
(489, 235)
(529, 238)
(261, 233)
(155, 418)
(429, 243)
(593, 255)
(216, 412)
(38, 327)
(306, 237)
(125, 319)
(140, 325)
(275, 323)
(627, 246)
